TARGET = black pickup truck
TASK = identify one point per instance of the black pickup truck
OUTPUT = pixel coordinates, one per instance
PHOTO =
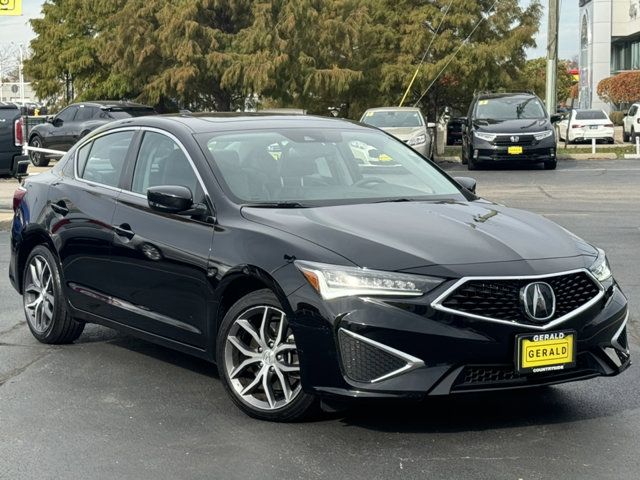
(11, 136)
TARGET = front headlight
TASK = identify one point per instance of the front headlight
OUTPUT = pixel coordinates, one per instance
(335, 281)
(489, 137)
(543, 135)
(600, 267)
(419, 140)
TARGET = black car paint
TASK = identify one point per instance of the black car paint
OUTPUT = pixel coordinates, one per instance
(205, 264)
(57, 134)
(9, 151)
(539, 151)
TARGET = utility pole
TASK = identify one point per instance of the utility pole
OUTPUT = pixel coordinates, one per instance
(552, 57)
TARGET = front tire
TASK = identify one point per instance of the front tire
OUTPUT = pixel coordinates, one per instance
(258, 362)
(45, 305)
(38, 159)
(550, 165)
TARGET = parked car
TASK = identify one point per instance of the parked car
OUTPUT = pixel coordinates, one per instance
(454, 130)
(307, 277)
(582, 125)
(405, 123)
(61, 131)
(10, 138)
(631, 123)
(508, 127)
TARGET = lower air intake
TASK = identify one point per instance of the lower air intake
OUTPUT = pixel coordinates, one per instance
(365, 362)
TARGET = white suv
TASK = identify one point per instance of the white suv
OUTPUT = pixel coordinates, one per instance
(631, 123)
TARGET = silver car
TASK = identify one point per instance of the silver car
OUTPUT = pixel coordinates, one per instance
(405, 123)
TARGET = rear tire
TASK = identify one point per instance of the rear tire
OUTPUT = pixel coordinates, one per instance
(45, 305)
(258, 360)
(38, 159)
(625, 136)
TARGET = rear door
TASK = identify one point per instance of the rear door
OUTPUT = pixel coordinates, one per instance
(80, 213)
(160, 260)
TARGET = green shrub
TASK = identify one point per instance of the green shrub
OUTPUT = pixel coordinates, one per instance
(616, 117)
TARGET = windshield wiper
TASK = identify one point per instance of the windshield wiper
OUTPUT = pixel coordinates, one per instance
(401, 199)
(277, 205)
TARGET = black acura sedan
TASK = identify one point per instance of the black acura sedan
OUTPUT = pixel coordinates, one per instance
(260, 243)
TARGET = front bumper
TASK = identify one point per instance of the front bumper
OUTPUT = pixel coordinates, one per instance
(528, 155)
(437, 353)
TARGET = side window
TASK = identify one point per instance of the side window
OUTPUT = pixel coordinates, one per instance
(633, 110)
(105, 158)
(85, 113)
(67, 114)
(161, 161)
(82, 155)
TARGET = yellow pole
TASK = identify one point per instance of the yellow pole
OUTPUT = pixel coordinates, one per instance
(404, 97)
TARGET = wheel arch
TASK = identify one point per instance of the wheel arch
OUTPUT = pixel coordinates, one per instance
(239, 282)
(31, 239)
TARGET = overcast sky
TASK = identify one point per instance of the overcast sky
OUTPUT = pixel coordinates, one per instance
(17, 29)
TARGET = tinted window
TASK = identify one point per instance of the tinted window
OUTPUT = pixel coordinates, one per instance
(392, 118)
(590, 115)
(86, 113)
(323, 166)
(509, 108)
(161, 161)
(67, 114)
(130, 112)
(633, 110)
(105, 159)
(8, 113)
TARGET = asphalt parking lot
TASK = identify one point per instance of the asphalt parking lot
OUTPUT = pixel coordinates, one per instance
(111, 406)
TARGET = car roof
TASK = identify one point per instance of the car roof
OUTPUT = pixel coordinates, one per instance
(393, 109)
(504, 94)
(111, 104)
(231, 121)
(7, 105)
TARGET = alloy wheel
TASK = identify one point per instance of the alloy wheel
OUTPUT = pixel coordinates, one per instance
(35, 156)
(39, 298)
(261, 358)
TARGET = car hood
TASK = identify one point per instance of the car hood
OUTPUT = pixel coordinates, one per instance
(399, 236)
(512, 126)
(404, 133)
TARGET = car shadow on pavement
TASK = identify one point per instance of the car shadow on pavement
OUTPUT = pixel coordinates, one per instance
(498, 410)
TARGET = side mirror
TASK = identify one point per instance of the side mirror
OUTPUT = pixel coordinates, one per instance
(57, 122)
(467, 182)
(170, 198)
(556, 117)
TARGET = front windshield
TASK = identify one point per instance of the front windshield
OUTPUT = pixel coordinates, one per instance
(509, 108)
(392, 118)
(322, 167)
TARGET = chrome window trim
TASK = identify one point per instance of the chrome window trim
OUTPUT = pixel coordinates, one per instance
(616, 336)
(437, 303)
(411, 361)
(89, 140)
(186, 154)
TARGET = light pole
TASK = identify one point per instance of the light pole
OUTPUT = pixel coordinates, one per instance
(552, 57)
(21, 76)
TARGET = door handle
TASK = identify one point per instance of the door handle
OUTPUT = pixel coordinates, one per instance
(124, 230)
(60, 208)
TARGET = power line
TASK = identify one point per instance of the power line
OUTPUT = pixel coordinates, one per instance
(425, 53)
(456, 52)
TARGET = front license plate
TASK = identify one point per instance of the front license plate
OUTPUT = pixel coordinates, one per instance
(516, 150)
(545, 352)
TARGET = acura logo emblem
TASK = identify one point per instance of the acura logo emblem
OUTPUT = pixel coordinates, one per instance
(514, 138)
(538, 301)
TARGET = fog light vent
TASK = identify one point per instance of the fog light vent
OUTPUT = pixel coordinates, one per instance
(367, 361)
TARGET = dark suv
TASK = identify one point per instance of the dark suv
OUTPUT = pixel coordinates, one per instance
(508, 127)
(10, 138)
(74, 122)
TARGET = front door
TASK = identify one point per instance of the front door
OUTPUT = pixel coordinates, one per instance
(160, 260)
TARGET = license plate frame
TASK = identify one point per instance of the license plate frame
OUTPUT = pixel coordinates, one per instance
(514, 150)
(533, 343)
